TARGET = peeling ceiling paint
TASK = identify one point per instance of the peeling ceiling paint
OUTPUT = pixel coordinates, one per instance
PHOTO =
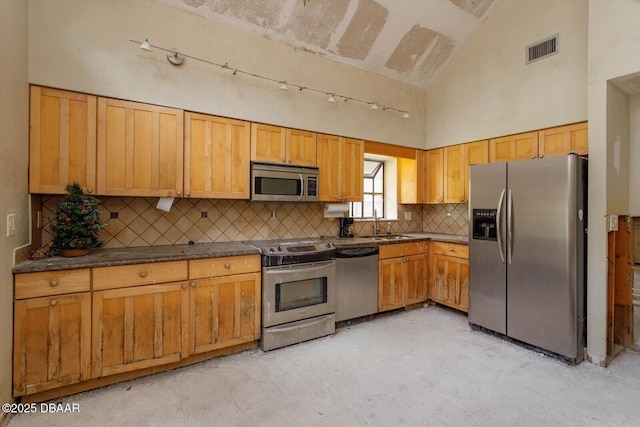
(406, 40)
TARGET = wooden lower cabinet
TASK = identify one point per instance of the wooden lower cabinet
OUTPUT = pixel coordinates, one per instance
(52, 342)
(449, 284)
(402, 275)
(224, 311)
(138, 327)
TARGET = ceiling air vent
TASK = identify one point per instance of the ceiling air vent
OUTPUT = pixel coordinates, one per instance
(542, 49)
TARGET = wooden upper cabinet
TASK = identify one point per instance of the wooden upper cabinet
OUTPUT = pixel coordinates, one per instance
(341, 163)
(301, 147)
(352, 170)
(560, 141)
(217, 152)
(421, 166)
(455, 173)
(408, 181)
(522, 146)
(434, 163)
(268, 143)
(62, 141)
(140, 149)
(275, 144)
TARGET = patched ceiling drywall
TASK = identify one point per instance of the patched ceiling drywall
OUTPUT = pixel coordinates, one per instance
(406, 40)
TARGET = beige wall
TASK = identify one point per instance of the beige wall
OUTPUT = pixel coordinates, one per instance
(14, 123)
(487, 90)
(614, 37)
(634, 157)
(617, 151)
(84, 46)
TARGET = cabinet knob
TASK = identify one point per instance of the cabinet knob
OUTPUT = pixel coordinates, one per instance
(533, 157)
(541, 155)
(187, 194)
(179, 193)
(143, 274)
(54, 302)
(89, 190)
(193, 284)
(452, 250)
(53, 283)
(184, 286)
(227, 266)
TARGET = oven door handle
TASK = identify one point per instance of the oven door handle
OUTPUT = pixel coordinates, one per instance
(296, 268)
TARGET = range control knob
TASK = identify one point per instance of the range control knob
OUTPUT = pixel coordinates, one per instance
(329, 245)
(279, 249)
(270, 249)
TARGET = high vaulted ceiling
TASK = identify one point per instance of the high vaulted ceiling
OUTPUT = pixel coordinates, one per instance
(406, 40)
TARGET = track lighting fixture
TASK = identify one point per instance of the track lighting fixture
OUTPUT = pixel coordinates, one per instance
(176, 58)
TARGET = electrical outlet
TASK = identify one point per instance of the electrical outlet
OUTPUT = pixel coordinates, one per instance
(11, 225)
(613, 222)
(407, 216)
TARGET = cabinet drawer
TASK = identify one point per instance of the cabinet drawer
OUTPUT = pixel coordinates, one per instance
(403, 249)
(223, 266)
(451, 249)
(47, 283)
(122, 276)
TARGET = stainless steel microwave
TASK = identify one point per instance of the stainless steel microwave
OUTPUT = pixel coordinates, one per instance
(283, 183)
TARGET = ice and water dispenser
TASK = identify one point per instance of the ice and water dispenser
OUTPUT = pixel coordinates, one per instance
(484, 224)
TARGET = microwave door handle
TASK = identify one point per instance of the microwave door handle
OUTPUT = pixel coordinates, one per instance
(301, 187)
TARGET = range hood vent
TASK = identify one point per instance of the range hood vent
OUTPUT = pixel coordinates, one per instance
(542, 49)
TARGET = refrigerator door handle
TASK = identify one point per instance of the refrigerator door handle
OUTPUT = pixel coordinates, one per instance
(509, 227)
(498, 225)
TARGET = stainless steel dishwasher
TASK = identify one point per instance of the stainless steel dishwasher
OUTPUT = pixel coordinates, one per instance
(356, 282)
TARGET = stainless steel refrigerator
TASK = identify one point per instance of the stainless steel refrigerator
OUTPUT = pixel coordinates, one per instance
(527, 251)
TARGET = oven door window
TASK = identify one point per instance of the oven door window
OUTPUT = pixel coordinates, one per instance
(301, 293)
(278, 186)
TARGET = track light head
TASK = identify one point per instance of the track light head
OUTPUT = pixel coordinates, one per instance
(374, 106)
(145, 45)
(406, 115)
(332, 99)
(283, 85)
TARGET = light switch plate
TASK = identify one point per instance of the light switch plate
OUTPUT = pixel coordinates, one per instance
(613, 222)
(11, 225)
(407, 216)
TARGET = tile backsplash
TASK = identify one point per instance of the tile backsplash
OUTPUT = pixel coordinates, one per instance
(135, 221)
(448, 218)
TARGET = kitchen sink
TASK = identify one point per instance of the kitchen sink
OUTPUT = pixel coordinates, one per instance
(388, 237)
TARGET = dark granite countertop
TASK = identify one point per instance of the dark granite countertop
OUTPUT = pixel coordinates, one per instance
(137, 255)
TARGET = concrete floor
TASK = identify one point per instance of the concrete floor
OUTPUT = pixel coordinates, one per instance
(419, 367)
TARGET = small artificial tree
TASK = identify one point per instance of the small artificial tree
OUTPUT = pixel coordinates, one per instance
(76, 223)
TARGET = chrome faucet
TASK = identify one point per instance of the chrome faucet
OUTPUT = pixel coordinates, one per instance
(375, 222)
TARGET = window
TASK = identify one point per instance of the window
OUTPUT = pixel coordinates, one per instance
(373, 197)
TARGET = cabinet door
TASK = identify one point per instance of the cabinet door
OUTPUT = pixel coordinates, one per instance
(477, 154)
(416, 279)
(268, 143)
(522, 146)
(455, 173)
(301, 147)
(435, 174)
(217, 152)
(62, 141)
(330, 168)
(563, 140)
(421, 166)
(450, 281)
(139, 149)
(224, 311)
(138, 327)
(352, 170)
(52, 342)
(391, 279)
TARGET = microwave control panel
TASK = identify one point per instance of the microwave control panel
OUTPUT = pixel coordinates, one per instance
(312, 186)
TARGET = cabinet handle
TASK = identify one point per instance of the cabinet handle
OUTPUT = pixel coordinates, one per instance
(54, 302)
(179, 193)
(53, 283)
(187, 194)
(143, 274)
(89, 190)
(193, 284)
(227, 266)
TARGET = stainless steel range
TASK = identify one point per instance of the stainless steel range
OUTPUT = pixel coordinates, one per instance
(298, 290)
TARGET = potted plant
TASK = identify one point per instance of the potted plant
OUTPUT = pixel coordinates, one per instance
(76, 223)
